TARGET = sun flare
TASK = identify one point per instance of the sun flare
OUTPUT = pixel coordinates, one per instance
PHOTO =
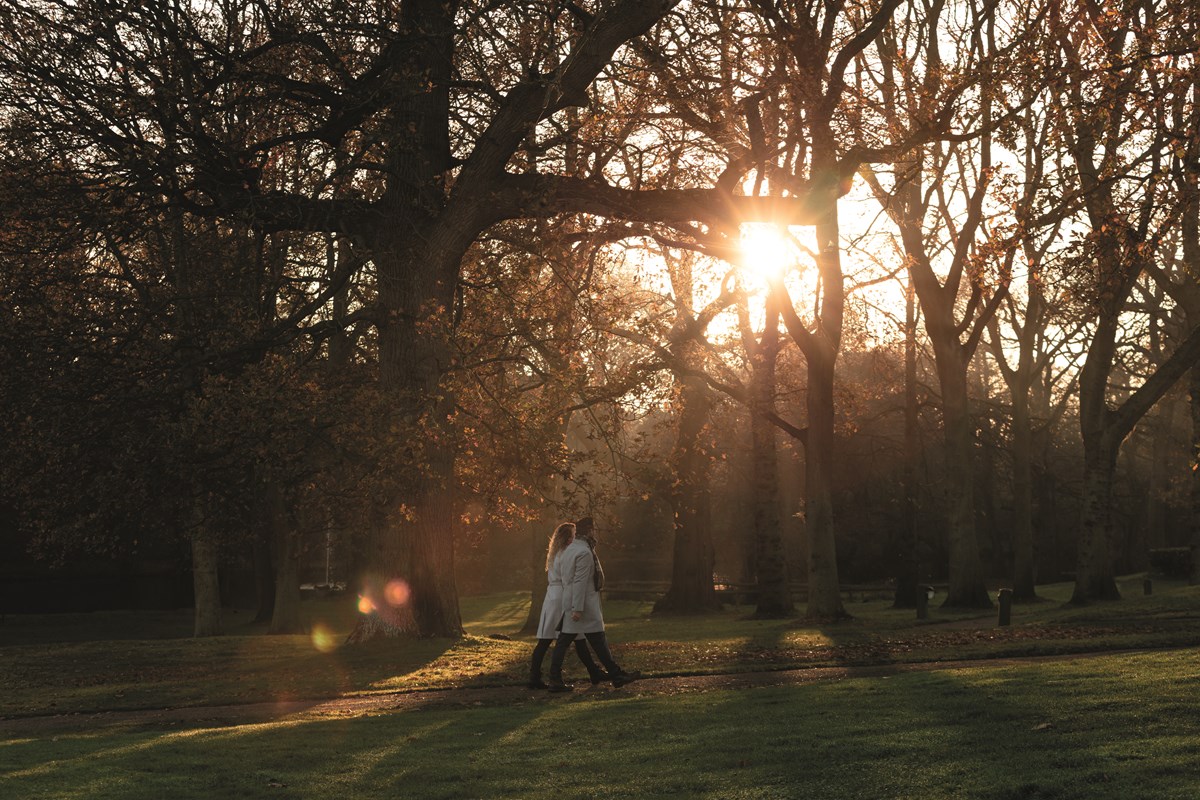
(767, 251)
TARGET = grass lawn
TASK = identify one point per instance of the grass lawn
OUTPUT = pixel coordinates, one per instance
(1113, 726)
(1108, 726)
(57, 664)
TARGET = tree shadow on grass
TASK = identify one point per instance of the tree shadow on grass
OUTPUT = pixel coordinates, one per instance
(1063, 731)
(105, 676)
(1035, 731)
(426, 755)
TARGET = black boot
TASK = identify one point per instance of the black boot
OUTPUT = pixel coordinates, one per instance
(556, 663)
(556, 685)
(535, 665)
(618, 676)
(623, 677)
(596, 674)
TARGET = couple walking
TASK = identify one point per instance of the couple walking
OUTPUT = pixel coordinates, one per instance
(571, 610)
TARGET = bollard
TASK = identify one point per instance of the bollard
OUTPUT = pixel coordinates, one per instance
(1005, 607)
(1147, 586)
(922, 603)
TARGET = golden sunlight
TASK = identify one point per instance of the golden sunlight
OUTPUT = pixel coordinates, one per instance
(767, 251)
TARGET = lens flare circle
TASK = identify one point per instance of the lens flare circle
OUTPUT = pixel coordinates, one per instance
(323, 639)
(397, 593)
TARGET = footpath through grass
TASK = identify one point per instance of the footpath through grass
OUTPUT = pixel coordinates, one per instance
(57, 664)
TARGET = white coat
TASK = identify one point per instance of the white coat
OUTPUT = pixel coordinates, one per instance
(552, 605)
(576, 567)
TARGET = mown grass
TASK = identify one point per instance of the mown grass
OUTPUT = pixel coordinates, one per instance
(110, 661)
(1113, 726)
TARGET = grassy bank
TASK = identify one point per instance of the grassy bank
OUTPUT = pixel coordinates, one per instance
(1115, 726)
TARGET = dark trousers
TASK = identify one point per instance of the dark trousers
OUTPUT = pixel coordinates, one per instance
(599, 643)
(581, 650)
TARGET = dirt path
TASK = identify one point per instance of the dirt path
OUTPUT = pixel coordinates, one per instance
(249, 713)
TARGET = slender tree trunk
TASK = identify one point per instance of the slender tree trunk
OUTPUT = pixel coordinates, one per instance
(1159, 481)
(205, 581)
(691, 589)
(967, 586)
(284, 537)
(1024, 574)
(951, 356)
(820, 355)
(541, 532)
(537, 564)
(774, 594)
(824, 591)
(1194, 483)
(1094, 578)
(287, 618)
(905, 552)
(341, 346)
(264, 574)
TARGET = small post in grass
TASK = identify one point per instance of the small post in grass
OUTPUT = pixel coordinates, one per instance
(1148, 587)
(1005, 607)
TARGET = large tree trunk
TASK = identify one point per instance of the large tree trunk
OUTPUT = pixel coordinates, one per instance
(385, 562)
(967, 586)
(1094, 577)
(1094, 574)
(434, 592)
(425, 527)
(691, 589)
(417, 246)
(205, 583)
(414, 354)
(410, 588)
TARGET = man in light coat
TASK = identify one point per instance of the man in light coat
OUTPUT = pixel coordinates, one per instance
(583, 577)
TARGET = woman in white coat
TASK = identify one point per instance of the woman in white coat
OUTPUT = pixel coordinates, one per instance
(548, 623)
(582, 579)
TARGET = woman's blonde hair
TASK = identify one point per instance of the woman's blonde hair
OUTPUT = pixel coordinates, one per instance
(562, 537)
